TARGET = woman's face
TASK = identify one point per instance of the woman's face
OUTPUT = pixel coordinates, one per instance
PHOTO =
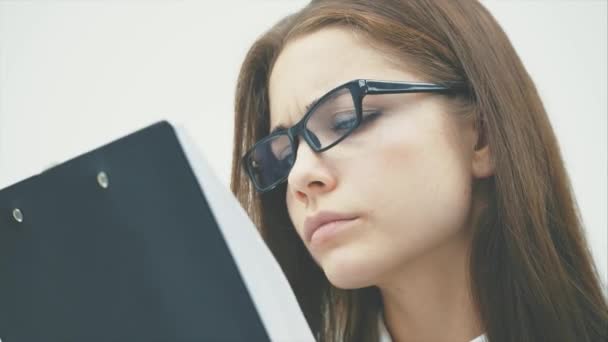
(406, 175)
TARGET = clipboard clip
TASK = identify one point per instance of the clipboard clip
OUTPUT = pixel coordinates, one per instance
(18, 216)
(103, 180)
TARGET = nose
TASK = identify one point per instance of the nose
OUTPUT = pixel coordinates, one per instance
(310, 175)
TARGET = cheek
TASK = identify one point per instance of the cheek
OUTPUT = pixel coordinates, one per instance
(427, 181)
(411, 166)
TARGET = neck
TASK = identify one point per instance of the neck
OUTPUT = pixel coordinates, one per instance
(429, 299)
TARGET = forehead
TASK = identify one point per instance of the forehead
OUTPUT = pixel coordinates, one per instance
(311, 65)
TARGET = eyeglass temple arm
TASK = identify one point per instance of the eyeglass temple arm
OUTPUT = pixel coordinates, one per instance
(381, 87)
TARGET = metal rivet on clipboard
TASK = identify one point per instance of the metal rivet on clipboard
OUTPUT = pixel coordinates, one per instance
(18, 215)
(102, 180)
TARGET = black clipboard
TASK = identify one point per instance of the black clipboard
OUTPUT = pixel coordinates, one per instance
(121, 244)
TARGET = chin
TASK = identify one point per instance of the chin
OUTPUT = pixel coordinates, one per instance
(349, 273)
(347, 284)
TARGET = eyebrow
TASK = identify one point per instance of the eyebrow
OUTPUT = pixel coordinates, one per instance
(306, 109)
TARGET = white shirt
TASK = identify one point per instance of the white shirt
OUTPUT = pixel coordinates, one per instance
(386, 337)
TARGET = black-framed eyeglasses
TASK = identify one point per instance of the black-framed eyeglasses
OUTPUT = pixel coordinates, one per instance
(330, 120)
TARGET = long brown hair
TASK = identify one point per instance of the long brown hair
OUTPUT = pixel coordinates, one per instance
(532, 275)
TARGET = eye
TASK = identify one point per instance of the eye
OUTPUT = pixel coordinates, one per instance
(283, 154)
(347, 121)
(344, 121)
(279, 148)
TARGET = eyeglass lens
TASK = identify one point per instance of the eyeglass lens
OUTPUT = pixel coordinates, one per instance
(334, 117)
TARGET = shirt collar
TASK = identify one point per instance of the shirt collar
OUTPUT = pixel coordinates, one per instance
(386, 337)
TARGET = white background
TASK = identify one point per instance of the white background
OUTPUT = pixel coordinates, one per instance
(76, 74)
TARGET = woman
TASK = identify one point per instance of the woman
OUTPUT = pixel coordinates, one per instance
(399, 163)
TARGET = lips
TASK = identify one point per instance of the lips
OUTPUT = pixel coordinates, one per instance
(314, 222)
